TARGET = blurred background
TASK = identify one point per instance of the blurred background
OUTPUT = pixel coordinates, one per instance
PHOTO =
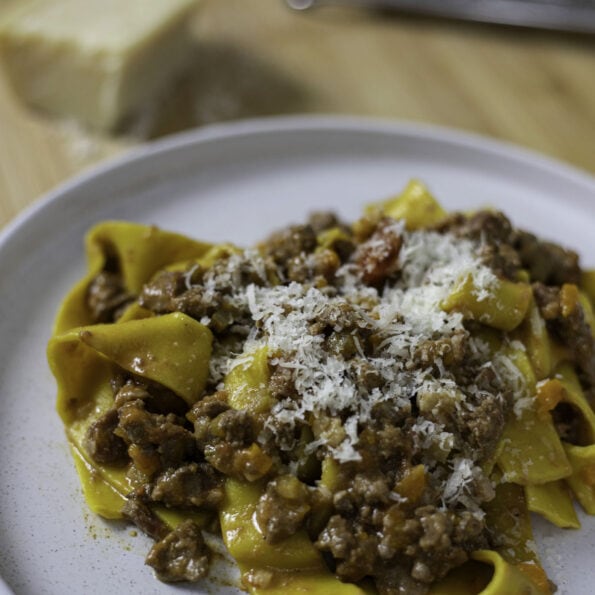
(250, 58)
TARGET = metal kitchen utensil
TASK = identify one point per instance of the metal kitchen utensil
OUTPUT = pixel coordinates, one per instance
(563, 15)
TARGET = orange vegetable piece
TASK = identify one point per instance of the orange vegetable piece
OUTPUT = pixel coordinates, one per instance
(569, 299)
(588, 475)
(413, 484)
(537, 574)
(549, 393)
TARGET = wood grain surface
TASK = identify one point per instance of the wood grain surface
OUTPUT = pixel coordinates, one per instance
(257, 57)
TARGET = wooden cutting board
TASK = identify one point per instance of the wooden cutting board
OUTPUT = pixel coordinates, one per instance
(256, 57)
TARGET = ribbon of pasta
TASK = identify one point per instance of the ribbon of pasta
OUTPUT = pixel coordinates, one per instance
(136, 251)
(173, 350)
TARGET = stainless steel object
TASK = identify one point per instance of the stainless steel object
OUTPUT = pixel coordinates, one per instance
(564, 15)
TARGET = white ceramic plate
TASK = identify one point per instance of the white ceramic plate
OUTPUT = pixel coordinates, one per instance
(233, 182)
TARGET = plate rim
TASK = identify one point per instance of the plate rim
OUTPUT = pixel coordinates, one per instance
(300, 122)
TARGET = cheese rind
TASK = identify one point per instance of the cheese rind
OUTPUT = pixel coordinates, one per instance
(94, 60)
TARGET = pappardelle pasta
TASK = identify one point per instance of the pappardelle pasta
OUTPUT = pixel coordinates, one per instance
(365, 408)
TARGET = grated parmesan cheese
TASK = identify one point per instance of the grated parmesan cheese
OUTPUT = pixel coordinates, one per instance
(403, 316)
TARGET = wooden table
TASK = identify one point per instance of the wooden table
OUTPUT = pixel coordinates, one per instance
(256, 57)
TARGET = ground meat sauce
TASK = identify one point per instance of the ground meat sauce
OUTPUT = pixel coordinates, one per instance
(404, 405)
(566, 321)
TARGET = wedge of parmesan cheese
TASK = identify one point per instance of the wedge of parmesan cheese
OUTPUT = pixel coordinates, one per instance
(94, 60)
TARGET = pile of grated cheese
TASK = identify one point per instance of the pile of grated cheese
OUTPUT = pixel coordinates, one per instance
(404, 315)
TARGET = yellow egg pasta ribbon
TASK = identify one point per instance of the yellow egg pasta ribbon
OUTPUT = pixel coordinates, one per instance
(139, 251)
(173, 350)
